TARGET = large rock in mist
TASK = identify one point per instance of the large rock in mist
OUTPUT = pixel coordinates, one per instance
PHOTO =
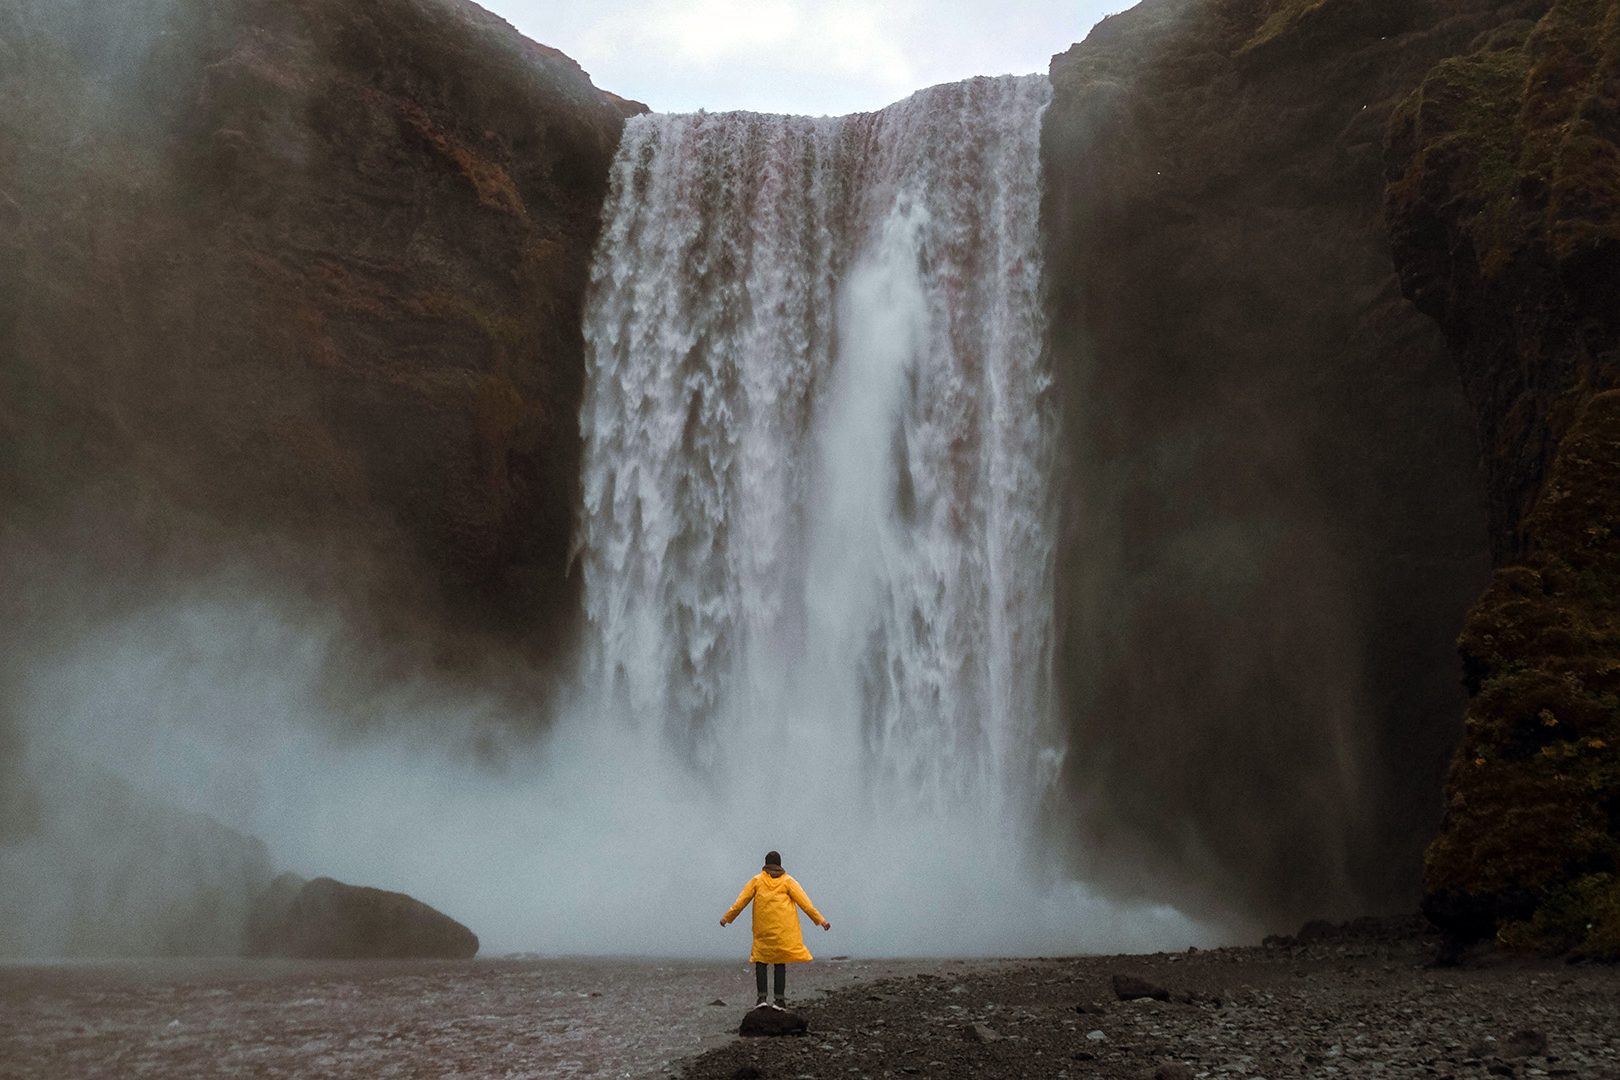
(298, 280)
(1272, 511)
(1504, 207)
(90, 866)
(325, 919)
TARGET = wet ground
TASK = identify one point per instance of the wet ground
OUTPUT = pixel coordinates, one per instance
(1343, 1008)
(484, 1018)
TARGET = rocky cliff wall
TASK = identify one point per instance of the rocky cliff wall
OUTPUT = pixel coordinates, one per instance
(1504, 209)
(290, 303)
(300, 277)
(1272, 509)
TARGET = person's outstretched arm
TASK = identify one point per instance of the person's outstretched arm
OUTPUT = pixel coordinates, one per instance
(742, 901)
(803, 901)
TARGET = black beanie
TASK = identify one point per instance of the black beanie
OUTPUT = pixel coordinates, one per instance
(773, 858)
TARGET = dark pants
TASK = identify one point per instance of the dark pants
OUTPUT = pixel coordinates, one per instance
(781, 979)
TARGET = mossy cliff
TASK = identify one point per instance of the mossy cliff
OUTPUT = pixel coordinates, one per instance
(1272, 512)
(1335, 297)
(1504, 208)
(300, 279)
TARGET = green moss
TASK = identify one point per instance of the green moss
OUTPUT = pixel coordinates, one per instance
(1533, 797)
(1581, 918)
(1281, 17)
(1521, 135)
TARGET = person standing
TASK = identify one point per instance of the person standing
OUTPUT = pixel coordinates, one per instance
(775, 896)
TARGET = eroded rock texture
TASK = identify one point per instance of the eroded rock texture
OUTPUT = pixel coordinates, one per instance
(1272, 513)
(1504, 206)
(308, 269)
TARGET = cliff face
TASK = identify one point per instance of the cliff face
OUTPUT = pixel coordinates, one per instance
(302, 269)
(1273, 517)
(290, 303)
(1504, 207)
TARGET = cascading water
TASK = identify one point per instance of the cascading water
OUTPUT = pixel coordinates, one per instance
(817, 437)
(816, 534)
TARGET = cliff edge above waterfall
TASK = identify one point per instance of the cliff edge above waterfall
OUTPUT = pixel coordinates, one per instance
(302, 280)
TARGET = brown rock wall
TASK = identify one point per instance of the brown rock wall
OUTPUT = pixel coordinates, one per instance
(302, 273)
(1272, 516)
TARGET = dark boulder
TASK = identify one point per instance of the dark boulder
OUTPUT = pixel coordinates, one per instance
(1131, 987)
(328, 920)
(1526, 1043)
(766, 1021)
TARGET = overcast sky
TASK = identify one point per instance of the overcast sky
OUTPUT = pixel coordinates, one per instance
(799, 56)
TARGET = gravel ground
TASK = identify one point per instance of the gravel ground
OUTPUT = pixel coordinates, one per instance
(1346, 1006)
(511, 1018)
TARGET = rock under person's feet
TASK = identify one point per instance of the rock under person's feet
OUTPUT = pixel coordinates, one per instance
(768, 1021)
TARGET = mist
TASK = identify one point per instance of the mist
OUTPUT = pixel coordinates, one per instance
(587, 841)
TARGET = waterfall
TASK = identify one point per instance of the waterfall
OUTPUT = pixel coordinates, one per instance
(816, 527)
(816, 530)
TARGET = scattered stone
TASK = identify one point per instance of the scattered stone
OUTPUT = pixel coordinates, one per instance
(717, 1001)
(1350, 1020)
(764, 1021)
(1525, 1043)
(1132, 987)
(981, 1033)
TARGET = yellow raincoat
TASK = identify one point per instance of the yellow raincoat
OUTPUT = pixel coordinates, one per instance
(776, 924)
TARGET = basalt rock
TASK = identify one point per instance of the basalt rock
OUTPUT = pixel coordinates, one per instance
(1131, 987)
(766, 1021)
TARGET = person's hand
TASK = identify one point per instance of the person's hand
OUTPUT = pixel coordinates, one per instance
(826, 925)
